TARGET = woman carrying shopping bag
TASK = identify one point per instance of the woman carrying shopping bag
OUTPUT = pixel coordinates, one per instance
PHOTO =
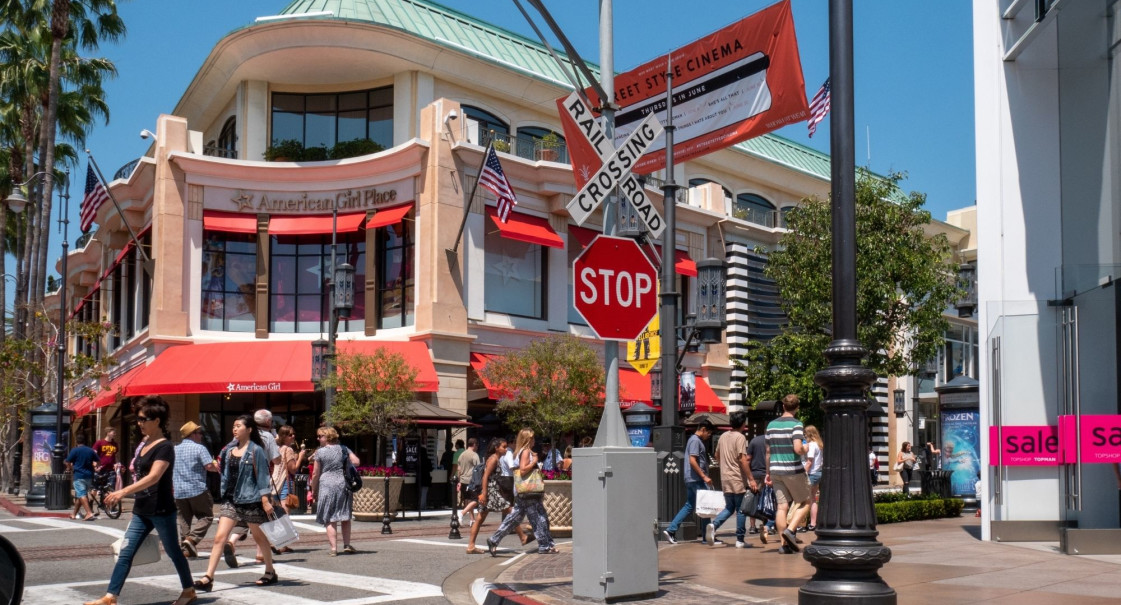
(335, 501)
(527, 499)
(154, 507)
(247, 495)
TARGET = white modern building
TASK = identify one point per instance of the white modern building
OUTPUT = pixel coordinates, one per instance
(1048, 116)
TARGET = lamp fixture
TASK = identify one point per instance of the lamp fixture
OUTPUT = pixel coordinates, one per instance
(148, 134)
(16, 200)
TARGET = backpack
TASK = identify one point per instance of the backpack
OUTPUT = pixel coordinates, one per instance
(476, 483)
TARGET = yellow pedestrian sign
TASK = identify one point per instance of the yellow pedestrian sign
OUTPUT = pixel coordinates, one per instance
(643, 352)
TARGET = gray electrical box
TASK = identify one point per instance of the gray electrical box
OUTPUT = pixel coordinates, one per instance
(614, 522)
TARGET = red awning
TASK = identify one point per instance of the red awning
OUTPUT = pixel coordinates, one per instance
(317, 224)
(385, 217)
(707, 401)
(633, 388)
(229, 222)
(582, 236)
(108, 396)
(480, 361)
(529, 229)
(415, 352)
(683, 263)
(257, 367)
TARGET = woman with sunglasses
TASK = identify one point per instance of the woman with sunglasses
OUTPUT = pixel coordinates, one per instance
(247, 497)
(154, 506)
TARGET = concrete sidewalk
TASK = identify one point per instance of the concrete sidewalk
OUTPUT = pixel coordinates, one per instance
(941, 561)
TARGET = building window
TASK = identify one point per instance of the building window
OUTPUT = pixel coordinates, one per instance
(959, 354)
(754, 209)
(482, 123)
(145, 282)
(395, 271)
(300, 265)
(229, 275)
(574, 250)
(90, 312)
(226, 145)
(529, 145)
(515, 277)
(322, 120)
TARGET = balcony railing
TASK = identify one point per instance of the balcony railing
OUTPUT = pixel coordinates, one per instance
(526, 147)
(124, 171)
(219, 152)
(766, 218)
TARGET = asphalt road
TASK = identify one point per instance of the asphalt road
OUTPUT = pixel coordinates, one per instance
(70, 562)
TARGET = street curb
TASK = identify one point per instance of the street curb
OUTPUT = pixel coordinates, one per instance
(22, 511)
(500, 595)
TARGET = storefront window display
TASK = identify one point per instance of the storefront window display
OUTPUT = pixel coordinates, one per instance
(515, 277)
(395, 295)
(229, 271)
(300, 265)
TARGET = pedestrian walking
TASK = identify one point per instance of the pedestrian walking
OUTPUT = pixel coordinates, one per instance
(757, 461)
(283, 473)
(154, 506)
(735, 480)
(328, 483)
(815, 458)
(81, 462)
(106, 449)
(192, 498)
(785, 446)
(550, 457)
(247, 497)
(905, 463)
(491, 498)
(527, 504)
(466, 465)
(696, 478)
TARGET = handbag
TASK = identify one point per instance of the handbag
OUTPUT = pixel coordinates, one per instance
(353, 479)
(766, 507)
(148, 552)
(530, 485)
(280, 531)
(291, 501)
(749, 504)
(709, 503)
(506, 487)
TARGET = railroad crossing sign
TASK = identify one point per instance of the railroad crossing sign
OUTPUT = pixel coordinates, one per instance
(615, 170)
(616, 288)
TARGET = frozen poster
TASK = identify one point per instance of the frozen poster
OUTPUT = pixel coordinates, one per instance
(959, 450)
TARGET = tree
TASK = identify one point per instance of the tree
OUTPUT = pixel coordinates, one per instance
(554, 386)
(374, 392)
(905, 282)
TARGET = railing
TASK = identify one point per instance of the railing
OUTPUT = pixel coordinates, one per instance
(220, 152)
(526, 147)
(682, 193)
(766, 218)
(124, 171)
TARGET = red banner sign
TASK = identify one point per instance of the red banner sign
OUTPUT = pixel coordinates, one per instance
(737, 83)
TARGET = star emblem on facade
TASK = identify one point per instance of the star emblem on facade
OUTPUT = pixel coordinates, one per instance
(230, 387)
(508, 269)
(243, 201)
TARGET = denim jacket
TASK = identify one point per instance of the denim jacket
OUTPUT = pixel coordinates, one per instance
(253, 475)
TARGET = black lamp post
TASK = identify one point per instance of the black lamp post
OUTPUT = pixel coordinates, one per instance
(341, 301)
(846, 555)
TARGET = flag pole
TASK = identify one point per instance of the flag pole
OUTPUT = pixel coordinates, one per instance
(467, 203)
(148, 264)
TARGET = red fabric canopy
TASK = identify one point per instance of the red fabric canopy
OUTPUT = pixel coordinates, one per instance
(529, 229)
(385, 217)
(683, 263)
(317, 224)
(707, 401)
(583, 236)
(108, 396)
(229, 222)
(480, 361)
(254, 366)
(633, 388)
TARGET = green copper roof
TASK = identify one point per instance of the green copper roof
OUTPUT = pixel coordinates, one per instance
(454, 29)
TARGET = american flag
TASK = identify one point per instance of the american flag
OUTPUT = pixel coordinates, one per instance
(494, 179)
(819, 106)
(95, 196)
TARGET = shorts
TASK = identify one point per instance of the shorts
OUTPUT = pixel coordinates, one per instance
(252, 513)
(81, 487)
(791, 489)
(815, 478)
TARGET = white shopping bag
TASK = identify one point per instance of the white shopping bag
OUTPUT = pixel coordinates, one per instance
(280, 531)
(709, 503)
(149, 551)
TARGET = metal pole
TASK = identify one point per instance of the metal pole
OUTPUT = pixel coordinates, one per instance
(846, 554)
(333, 324)
(59, 452)
(668, 311)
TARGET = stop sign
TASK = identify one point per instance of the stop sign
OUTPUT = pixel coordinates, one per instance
(616, 288)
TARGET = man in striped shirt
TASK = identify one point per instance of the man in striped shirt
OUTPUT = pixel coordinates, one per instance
(785, 447)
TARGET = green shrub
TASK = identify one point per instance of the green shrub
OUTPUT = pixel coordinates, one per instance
(897, 510)
(288, 150)
(315, 154)
(354, 148)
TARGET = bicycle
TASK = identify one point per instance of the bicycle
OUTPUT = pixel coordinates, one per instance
(103, 484)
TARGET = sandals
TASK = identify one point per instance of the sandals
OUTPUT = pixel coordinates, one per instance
(332, 553)
(268, 579)
(552, 550)
(492, 547)
(349, 550)
(105, 600)
(228, 555)
(529, 538)
(474, 551)
(206, 586)
(185, 598)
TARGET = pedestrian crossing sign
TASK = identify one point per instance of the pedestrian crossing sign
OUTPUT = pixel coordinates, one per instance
(643, 352)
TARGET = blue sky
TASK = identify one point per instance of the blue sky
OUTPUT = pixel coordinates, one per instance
(913, 71)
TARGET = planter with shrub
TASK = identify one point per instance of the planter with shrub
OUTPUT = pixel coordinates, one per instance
(894, 507)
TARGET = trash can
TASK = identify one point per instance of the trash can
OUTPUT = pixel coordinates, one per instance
(301, 480)
(58, 491)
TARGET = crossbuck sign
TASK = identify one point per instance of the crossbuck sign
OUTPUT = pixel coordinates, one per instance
(616, 169)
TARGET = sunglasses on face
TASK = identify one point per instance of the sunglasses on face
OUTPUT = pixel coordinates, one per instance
(142, 419)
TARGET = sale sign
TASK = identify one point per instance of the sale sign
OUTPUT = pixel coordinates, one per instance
(732, 85)
(1024, 446)
(1091, 439)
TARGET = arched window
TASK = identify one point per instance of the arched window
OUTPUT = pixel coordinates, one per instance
(484, 123)
(754, 209)
(540, 144)
(227, 140)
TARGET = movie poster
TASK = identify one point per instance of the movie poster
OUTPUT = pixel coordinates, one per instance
(42, 443)
(688, 400)
(960, 449)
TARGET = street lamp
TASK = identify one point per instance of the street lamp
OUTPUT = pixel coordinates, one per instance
(341, 300)
(318, 360)
(846, 555)
(900, 402)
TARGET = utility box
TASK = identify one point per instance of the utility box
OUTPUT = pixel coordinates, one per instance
(614, 523)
